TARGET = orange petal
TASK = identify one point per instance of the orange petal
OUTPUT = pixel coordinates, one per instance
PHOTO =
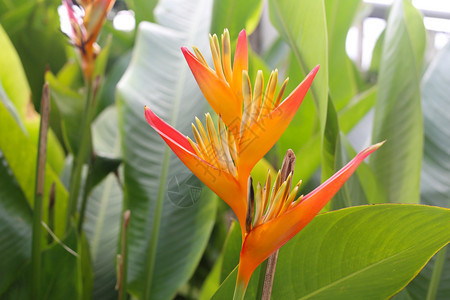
(262, 135)
(219, 181)
(240, 64)
(95, 17)
(265, 239)
(216, 90)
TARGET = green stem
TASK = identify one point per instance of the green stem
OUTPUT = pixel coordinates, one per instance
(51, 213)
(437, 272)
(83, 152)
(39, 191)
(156, 223)
(85, 195)
(239, 290)
(124, 257)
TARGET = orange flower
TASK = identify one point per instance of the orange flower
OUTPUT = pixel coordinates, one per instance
(263, 119)
(278, 218)
(223, 158)
(211, 159)
(86, 28)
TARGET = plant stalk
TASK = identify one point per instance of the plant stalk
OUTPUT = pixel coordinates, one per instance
(437, 272)
(123, 264)
(286, 169)
(239, 291)
(39, 192)
(83, 153)
(262, 273)
(84, 198)
(269, 276)
(51, 213)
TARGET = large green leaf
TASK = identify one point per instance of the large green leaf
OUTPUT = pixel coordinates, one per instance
(435, 180)
(15, 83)
(293, 20)
(364, 252)
(236, 15)
(305, 124)
(374, 67)
(21, 153)
(166, 238)
(33, 27)
(62, 273)
(104, 208)
(15, 227)
(308, 160)
(435, 177)
(143, 9)
(226, 262)
(398, 112)
(340, 15)
(231, 250)
(15, 95)
(61, 269)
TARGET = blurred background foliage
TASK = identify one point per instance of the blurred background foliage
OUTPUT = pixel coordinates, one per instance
(395, 89)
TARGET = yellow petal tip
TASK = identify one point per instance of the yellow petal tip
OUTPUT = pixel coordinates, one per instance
(378, 145)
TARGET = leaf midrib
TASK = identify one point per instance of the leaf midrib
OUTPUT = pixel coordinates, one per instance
(104, 200)
(166, 159)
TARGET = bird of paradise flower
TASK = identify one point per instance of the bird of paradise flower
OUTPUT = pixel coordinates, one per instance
(250, 122)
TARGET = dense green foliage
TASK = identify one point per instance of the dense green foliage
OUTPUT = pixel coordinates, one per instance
(375, 240)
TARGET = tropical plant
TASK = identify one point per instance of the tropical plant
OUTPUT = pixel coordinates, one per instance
(95, 205)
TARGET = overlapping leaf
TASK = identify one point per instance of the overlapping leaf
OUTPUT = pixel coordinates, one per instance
(398, 112)
(365, 252)
(165, 240)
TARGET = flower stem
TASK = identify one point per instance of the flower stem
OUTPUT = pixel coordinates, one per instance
(84, 198)
(239, 290)
(262, 273)
(51, 213)
(39, 191)
(437, 272)
(269, 276)
(83, 152)
(123, 264)
(286, 169)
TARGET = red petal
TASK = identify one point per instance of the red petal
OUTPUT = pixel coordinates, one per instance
(166, 130)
